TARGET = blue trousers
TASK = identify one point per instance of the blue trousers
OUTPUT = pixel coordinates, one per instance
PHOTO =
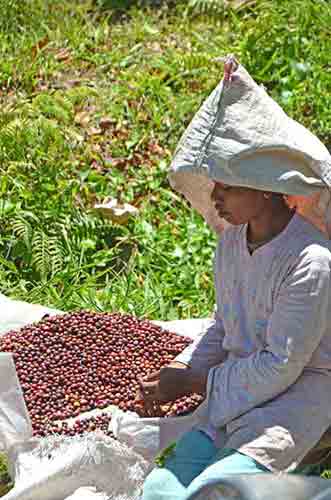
(194, 463)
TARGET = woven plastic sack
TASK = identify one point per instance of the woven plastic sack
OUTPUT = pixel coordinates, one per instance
(15, 313)
(88, 494)
(240, 136)
(54, 468)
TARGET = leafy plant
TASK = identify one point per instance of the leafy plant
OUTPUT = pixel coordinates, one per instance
(206, 7)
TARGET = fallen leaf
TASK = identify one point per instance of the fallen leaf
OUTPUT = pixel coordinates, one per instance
(96, 166)
(109, 161)
(94, 131)
(119, 162)
(133, 103)
(155, 47)
(72, 83)
(106, 122)
(143, 116)
(139, 199)
(82, 118)
(63, 55)
(121, 133)
(235, 4)
(116, 211)
(194, 85)
(39, 45)
(141, 279)
(155, 148)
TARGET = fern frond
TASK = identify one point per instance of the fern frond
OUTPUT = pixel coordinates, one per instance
(22, 230)
(78, 95)
(56, 254)
(16, 137)
(206, 7)
(19, 166)
(12, 128)
(6, 117)
(87, 227)
(50, 133)
(40, 253)
(195, 60)
(22, 227)
(28, 110)
(52, 107)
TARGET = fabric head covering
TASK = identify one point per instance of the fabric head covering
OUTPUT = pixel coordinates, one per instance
(240, 136)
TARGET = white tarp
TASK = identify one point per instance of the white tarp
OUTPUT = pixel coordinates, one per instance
(84, 467)
(15, 314)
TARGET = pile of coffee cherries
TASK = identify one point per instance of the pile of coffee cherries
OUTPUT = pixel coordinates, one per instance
(73, 363)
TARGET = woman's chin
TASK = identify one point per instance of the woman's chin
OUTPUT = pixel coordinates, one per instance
(227, 217)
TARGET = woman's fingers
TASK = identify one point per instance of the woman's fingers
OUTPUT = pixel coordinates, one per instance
(150, 407)
(163, 386)
(151, 377)
(150, 404)
(148, 393)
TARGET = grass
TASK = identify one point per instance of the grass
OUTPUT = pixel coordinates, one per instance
(64, 67)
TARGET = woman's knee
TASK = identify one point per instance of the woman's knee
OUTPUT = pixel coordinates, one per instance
(191, 455)
(162, 484)
(227, 463)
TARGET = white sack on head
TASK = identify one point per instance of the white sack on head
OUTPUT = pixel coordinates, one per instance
(240, 136)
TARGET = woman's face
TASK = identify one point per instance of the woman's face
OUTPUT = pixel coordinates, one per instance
(238, 205)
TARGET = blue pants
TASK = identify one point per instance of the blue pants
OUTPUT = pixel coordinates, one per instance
(195, 462)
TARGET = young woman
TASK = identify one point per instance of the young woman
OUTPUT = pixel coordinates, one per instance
(265, 363)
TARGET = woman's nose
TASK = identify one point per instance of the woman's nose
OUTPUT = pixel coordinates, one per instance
(215, 194)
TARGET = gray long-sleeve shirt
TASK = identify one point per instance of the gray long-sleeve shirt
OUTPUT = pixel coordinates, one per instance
(268, 351)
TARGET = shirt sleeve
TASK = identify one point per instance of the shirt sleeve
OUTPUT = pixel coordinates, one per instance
(206, 351)
(295, 329)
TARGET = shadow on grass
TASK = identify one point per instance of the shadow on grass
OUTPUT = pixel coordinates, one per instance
(126, 4)
(118, 11)
(120, 7)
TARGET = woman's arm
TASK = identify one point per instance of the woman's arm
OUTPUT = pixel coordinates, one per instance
(206, 350)
(188, 372)
(299, 320)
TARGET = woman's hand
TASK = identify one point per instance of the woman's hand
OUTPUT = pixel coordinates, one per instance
(168, 384)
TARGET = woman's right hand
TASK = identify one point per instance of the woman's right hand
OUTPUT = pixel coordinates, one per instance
(160, 387)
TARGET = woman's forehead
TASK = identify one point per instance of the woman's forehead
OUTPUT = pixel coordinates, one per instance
(242, 189)
(220, 184)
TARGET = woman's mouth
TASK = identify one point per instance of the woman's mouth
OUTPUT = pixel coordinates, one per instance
(220, 210)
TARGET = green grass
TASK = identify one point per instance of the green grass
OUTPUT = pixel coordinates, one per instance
(65, 65)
